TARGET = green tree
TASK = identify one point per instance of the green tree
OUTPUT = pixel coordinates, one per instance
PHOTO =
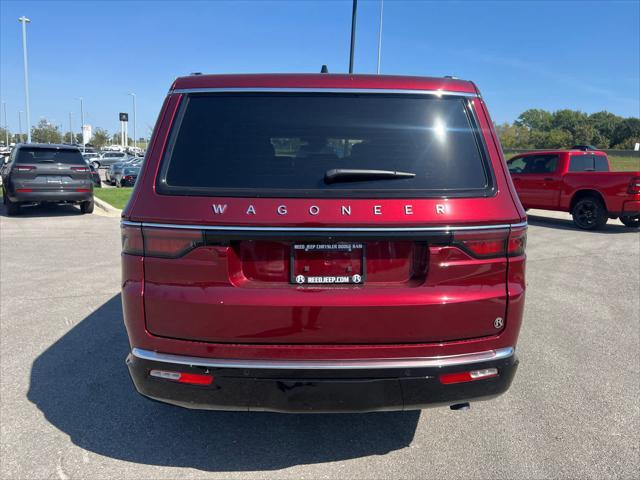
(45, 132)
(514, 136)
(535, 119)
(555, 138)
(605, 123)
(569, 120)
(100, 137)
(626, 133)
(3, 135)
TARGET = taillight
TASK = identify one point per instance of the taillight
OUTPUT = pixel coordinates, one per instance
(170, 243)
(159, 242)
(80, 169)
(132, 240)
(482, 243)
(25, 168)
(517, 241)
(492, 243)
(634, 186)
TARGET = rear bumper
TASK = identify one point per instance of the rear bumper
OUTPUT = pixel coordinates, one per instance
(51, 196)
(327, 386)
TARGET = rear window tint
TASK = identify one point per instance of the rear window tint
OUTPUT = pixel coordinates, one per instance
(283, 144)
(588, 163)
(50, 155)
(600, 163)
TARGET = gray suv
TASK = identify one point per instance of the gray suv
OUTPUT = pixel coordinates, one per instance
(39, 173)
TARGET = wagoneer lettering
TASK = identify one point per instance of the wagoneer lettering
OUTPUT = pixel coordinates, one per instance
(353, 252)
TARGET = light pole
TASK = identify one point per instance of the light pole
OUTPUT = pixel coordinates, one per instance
(20, 126)
(82, 124)
(24, 20)
(135, 139)
(71, 135)
(380, 36)
(353, 34)
(6, 126)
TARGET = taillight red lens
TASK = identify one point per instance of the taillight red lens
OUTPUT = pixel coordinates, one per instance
(170, 243)
(517, 241)
(634, 186)
(482, 243)
(492, 243)
(132, 243)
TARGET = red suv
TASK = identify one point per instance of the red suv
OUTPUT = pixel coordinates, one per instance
(323, 243)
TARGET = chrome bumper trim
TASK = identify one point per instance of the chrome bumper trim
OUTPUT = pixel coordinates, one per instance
(445, 228)
(446, 361)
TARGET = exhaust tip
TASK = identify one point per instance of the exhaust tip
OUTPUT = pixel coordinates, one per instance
(461, 406)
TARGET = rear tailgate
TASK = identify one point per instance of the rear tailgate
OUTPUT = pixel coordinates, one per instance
(50, 169)
(399, 261)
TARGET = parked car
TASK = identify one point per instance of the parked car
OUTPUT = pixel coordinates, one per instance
(109, 158)
(579, 182)
(115, 169)
(128, 176)
(362, 250)
(95, 176)
(39, 173)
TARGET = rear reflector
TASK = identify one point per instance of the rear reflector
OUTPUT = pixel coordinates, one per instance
(461, 377)
(181, 377)
(24, 190)
(25, 168)
(82, 190)
(80, 169)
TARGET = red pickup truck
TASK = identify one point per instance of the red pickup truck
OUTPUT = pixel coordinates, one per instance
(579, 182)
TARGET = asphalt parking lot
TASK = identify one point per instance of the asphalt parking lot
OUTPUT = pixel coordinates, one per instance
(69, 410)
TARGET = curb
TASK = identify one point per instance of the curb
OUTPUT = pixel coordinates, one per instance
(107, 207)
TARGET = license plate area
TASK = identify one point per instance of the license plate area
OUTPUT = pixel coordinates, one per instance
(327, 263)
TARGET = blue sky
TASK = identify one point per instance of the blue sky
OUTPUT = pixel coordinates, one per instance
(545, 54)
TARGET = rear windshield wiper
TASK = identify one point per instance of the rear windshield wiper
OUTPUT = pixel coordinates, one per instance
(354, 175)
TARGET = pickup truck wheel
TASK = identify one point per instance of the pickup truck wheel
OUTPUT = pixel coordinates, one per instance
(589, 213)
(631, 222)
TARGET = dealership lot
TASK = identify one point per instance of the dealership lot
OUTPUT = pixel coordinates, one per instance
(68, 409)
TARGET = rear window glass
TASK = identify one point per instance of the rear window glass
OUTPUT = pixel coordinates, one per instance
(284, 144)
(600, 163)
(588, 163)
(50, 155)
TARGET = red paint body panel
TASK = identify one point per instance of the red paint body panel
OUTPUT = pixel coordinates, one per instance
(235, 301)
(311, 80)
(556, 190)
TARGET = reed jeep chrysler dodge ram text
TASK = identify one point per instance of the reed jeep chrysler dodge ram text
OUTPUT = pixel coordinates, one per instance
(323, 243)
